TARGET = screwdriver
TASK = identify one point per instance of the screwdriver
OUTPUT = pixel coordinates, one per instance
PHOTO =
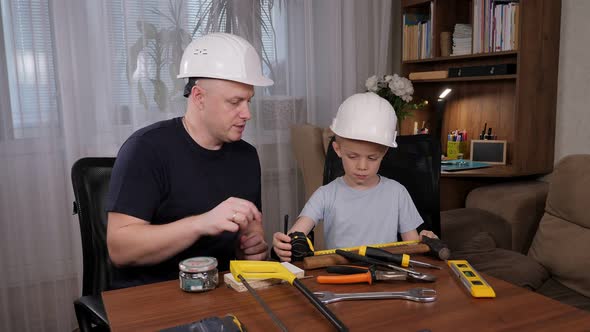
(402, 260)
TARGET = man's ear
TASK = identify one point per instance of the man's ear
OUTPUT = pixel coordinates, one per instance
(336, 147)
(197, 95)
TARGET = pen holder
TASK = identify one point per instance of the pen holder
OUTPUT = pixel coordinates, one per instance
(456, 148)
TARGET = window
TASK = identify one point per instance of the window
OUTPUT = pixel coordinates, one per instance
(28, 44)
(137, 62)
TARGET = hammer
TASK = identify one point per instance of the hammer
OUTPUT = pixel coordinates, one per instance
(433, 247)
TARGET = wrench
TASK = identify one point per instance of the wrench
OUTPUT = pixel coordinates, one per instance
(414, 294)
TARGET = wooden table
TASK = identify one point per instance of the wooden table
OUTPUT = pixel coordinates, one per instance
(157, 306)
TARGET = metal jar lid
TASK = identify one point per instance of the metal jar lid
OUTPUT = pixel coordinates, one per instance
(198, 264)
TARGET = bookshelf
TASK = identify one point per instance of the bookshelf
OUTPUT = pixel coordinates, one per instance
(519, 107)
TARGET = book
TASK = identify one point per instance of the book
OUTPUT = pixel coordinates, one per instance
(428, 75)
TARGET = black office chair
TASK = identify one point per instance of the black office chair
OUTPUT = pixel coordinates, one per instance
(415, 163)
(90, 180)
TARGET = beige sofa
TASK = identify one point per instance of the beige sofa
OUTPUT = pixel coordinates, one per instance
(557, 263)
(532, 233)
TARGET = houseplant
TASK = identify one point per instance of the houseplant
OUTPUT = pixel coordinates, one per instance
(155, 56)
(398, 91)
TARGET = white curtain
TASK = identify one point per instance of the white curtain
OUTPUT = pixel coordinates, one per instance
(78, 77)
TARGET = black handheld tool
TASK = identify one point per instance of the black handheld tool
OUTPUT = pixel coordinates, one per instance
(229, 323)
(358, 258)
(402, 260)
(301, 246)
(438, 248)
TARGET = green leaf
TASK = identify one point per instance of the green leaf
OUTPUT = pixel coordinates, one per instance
(148, 30)
(142, 97)
(178, 83)
(132, 57)
(160, 94)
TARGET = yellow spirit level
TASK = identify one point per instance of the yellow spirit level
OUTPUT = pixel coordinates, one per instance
(474, 283)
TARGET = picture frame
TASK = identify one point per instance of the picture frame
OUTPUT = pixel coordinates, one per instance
(489, 151)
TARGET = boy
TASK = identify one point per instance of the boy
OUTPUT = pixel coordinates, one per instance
(365, 128)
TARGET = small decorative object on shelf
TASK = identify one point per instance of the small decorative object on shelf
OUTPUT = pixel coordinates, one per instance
(397, 90)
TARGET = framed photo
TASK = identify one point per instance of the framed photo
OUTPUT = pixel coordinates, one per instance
(489, 151)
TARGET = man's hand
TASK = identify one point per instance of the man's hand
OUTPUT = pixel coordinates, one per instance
(233, 214)
(282, 246)
(253, 247)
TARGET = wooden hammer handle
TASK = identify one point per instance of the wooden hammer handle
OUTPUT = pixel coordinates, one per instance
(317, 262)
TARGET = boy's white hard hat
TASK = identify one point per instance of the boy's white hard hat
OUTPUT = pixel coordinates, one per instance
(366, 117)
(224, 56)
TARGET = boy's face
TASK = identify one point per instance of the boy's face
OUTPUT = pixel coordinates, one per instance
(361, 161)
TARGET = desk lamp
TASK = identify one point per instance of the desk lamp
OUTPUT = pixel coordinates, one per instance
(440, 109)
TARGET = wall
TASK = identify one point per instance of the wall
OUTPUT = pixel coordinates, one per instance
(573, 92)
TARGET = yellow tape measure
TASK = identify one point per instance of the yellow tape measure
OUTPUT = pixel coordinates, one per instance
(379, 245)
(474, 283)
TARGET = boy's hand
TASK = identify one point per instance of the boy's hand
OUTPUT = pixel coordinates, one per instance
(282, 246)
(428, 234)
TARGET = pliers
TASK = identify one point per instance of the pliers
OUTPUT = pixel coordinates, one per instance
(357, 274)
(351, 256)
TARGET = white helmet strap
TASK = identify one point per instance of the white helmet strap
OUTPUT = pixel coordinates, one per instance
(192, 81)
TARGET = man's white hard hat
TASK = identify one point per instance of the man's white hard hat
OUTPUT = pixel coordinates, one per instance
(223, 56)
(366, 117)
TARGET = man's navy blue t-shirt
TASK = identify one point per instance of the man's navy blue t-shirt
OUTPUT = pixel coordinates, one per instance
(162, 175)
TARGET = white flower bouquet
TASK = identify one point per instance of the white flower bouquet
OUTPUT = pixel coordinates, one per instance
(397, 90)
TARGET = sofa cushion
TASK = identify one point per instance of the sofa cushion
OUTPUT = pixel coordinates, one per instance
(562, 242)
(564, 249)
(559, 292)
(569, 190)
(307, 141)
(508, 265)
(327, 135)
(521, 204)
(459, 226)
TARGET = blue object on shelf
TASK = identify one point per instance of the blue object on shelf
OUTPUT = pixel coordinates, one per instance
(461, 165)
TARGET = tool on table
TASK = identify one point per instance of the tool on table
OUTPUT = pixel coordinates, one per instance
(353, 274)
(265, 269)
(474, 283)
(402, 260)
(378, 245)
(228, 323)
(321, 261)
(231, 282)
(266, 308)
(301, 246)
(414, 294)
(414, 274)
(434, 247)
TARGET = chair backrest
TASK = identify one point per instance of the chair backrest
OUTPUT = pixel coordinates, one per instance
(415, 163)
(90, 180)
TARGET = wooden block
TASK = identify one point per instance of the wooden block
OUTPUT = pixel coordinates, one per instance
(229, 280)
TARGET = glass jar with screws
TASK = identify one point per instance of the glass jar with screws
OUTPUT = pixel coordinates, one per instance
(198, 274)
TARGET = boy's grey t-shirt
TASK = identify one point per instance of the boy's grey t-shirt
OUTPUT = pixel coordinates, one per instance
(361, 217)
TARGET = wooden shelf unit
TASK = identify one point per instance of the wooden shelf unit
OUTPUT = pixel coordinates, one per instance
(520, 107)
